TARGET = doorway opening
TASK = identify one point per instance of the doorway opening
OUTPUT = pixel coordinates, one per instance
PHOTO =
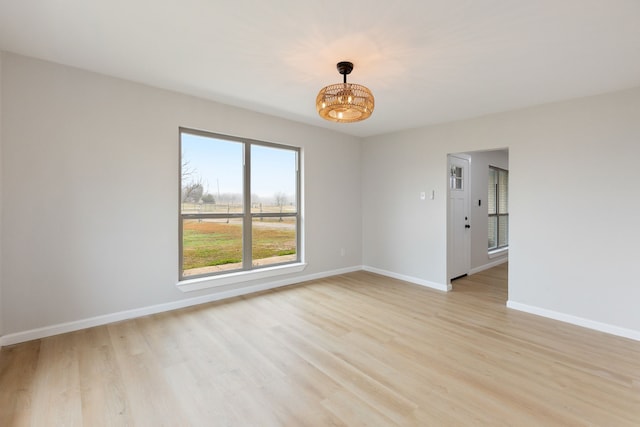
(471, 212)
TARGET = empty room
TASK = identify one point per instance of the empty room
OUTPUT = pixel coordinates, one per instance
(420, 213)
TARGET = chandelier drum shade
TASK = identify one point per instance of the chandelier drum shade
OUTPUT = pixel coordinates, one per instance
(345, 102)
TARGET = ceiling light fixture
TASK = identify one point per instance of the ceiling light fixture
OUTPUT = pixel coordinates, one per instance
(345, 102)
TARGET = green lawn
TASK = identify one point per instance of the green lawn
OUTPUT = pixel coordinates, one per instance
(210, 243)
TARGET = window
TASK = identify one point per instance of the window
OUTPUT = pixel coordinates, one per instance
(238, 204)
(456, 178)
(498, 208)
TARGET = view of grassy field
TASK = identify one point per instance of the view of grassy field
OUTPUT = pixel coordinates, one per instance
(211, 242)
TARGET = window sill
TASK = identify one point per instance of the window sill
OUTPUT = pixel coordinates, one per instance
(238, 277)
(499, 253)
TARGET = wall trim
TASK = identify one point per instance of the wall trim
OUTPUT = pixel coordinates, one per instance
(410, 279)
(77, 325)
(575, 320)
(488, 265)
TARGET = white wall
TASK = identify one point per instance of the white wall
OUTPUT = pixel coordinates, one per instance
(90, 174)
(1, 168)
(403, 235)
(89, 197)
(573, 204)
(479, 165)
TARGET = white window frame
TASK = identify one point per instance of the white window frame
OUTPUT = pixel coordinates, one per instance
(248, 271)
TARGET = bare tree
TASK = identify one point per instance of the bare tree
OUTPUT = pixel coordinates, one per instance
(187, 170)
(192, 192)
(281, 200)
(192, 186)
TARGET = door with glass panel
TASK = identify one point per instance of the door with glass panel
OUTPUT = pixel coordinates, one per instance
(459, 227)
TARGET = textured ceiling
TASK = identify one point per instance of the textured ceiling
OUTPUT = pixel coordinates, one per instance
(426, 61)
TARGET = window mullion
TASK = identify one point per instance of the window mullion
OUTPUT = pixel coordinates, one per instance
(247, 235)
(298, 208)
(497, 198)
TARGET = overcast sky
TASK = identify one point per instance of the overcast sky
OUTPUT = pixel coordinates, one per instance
(219, 164)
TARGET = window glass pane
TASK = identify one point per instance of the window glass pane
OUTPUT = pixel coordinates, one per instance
(491, 198)
(493, 232)
(503, 230)
(274, 240)
(503, 192)
(211, 245)
(273, 179)
(211, 174)
(498, 207)
(456, 178)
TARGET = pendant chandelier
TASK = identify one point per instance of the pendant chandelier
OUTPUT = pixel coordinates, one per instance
(345, 102)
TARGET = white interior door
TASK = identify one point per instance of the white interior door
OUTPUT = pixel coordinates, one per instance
(459, 228)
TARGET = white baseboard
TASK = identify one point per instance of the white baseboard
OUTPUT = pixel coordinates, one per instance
(61, 328)
(77, 325)
(488, 265)
(410, 279)
(574, 320)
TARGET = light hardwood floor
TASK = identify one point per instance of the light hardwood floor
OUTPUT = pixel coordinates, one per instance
(352, 350)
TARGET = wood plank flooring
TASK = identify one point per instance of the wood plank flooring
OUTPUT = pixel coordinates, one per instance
(351, 350)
